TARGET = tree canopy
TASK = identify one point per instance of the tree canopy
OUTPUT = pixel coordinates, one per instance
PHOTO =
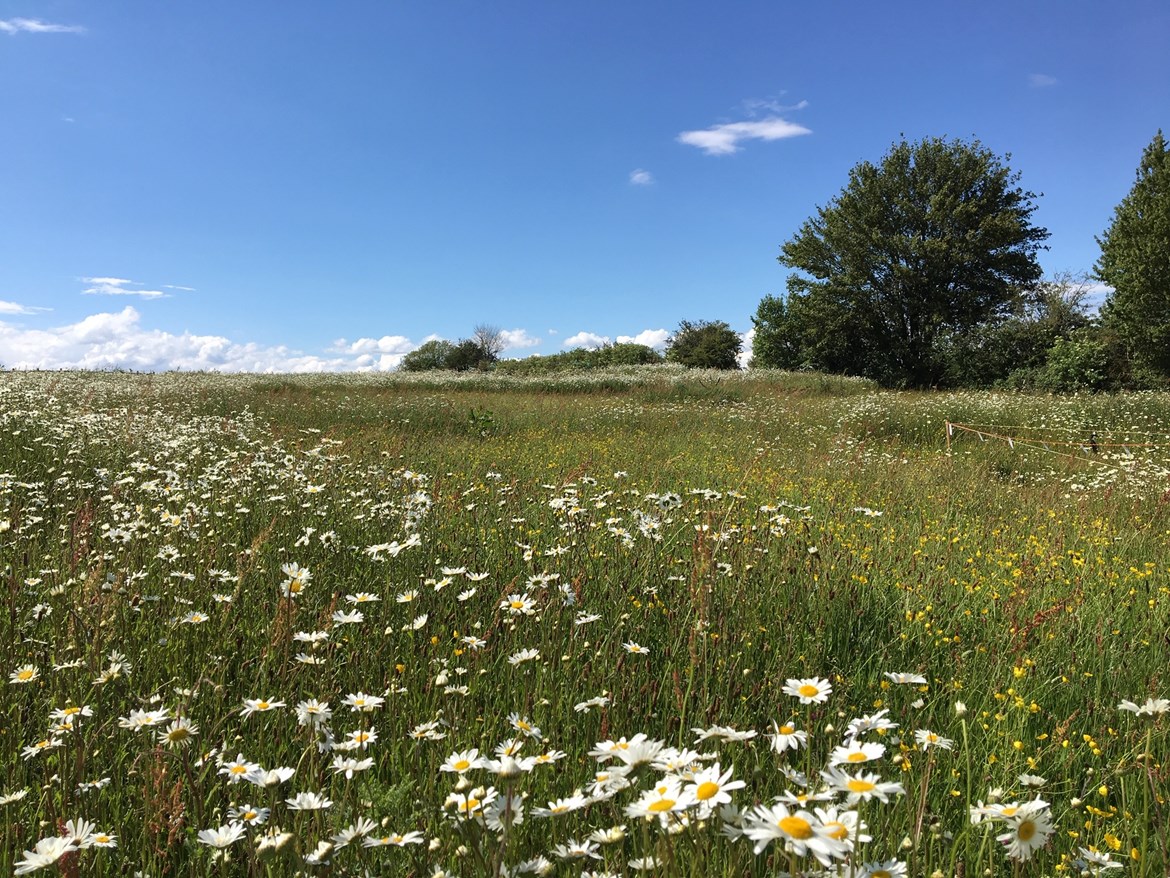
(1135, 262)
(429, 355)
(930, 243)
(704, 344)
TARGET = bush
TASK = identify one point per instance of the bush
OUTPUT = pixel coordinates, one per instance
(430, 355)
(582, 359)
(705, 345)
(1075, 364)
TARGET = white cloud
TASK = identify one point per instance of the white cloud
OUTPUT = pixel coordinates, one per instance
(517, 338)
(118, 286)
(1095, 296)
(387, 344)
(725, 139)
(588, 340)
(745, 355)
(652, 338)
(35, 26)
(17, 308)
(119, 341)
(1041, 80)
(641, 177)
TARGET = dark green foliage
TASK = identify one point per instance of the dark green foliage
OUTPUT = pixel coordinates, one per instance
(931, 244)
(1014, 348)
(774, 346)
(627, 354)
(1135, 261)
(429, 355)
(467, 354)
(1075, 364)
(582, 359)
(704, 344)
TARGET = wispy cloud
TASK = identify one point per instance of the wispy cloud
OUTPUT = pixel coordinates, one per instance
(36, 26)
(17, 308)
(770, 106)
(725, 139)
(1041, 80)
(641, 177)
(118, 286)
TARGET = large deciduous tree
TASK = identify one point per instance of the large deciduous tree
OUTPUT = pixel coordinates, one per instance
(1135, 261)
(934, 241)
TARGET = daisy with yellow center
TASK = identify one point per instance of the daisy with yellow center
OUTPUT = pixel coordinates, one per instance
(712, 787)
(665, 799)
(797, 831)
(460, 762)
(24, 674)
(856, 753)
(861, 786)
(811, 690)
(259, 705)
(884, 869)
(787, 737)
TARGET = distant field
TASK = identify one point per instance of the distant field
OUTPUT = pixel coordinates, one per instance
(447, 606)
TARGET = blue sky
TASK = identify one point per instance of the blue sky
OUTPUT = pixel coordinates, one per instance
(302, 185)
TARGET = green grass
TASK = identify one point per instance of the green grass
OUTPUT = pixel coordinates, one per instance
(716, 520)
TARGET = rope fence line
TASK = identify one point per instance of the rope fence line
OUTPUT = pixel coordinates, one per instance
(1039, 444)
(1092, 444)
(1086, 428)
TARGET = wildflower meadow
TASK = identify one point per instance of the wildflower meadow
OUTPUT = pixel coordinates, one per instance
(631, 622)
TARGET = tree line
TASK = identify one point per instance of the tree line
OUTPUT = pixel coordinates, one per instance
(704, 344)
(923, 272)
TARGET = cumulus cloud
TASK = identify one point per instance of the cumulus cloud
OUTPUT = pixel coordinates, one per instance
(725, 139)
(652, 338)
(119, 286)
(17, 308)
(120, 341)
(36, 26)
(588, 340)
(1041, 80)
(641, 177)
(517, 338)
(744, 358)
(387, 344)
